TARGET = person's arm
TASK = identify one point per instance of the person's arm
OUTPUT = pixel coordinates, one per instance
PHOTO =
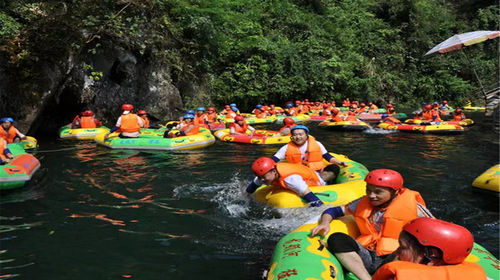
(326, 218)
(22, 136)
(328, 157)
(140, 121)
(254, 185)
(115, 128)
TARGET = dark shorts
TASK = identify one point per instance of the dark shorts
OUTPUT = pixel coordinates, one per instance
(343, 243)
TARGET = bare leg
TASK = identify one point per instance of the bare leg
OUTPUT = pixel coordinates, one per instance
(352, 261)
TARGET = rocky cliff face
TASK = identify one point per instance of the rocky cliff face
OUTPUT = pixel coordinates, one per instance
(101, 83)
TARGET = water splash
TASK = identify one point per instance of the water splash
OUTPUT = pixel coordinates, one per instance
(378, 131)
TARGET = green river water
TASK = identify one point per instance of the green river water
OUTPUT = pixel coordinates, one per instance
(96, 213)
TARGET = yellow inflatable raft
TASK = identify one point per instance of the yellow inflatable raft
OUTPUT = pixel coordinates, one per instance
(489, 180)
(66, 132)
(260, 137)
(466, 122)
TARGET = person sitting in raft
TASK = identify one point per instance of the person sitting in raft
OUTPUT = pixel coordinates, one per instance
(233, 113)
(287, 128)
(390, 120)
(226, 110)
(240, 127)
(335, 116)
(129, 124)
(186, 127)
(380, 216)
(87, 120)
(200, 118)
(233, 105)
(429, 115)
(351, 117)
(306, 150)
(290, 110)
(257, 109)
(390, 109)
(144, 116)
(444, 105)
(458, 115)
(436, 249)
(372, 106)
(5, 154)
(9, 133)
(295, 177)
(212, 115)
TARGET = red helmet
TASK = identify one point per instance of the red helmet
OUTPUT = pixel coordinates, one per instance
(87, 113)
(288, 121)
(239, 118)
(325, 105)
(335, 110)
(297, 102)
(362, 104)
(389, 105)
(211, 109)
(306, 100)
(227, 106)
(454, 241)
(428, 107)
(385, 178)
(127, 107)
(351, 113)
(445, 102)
(142, 112)
(458, 110)
(353, 105)
(370, 103)
(263, 165)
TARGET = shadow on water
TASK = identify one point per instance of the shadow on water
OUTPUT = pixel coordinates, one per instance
(141, 214)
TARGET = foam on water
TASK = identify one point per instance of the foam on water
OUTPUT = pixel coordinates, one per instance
(378, 131)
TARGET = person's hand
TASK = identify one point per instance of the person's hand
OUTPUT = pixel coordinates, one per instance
(343, 164)
(9, 156)
(325, 228)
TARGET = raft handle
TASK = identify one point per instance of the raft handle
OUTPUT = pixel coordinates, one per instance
(323, 194)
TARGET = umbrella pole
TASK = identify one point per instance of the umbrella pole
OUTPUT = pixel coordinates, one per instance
(475, 73)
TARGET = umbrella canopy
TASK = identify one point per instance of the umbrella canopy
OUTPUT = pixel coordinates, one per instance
(465, 39)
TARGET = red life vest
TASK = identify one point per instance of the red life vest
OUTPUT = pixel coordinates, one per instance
(313, 157)
(8, 135)
(286, 169)
(238, 128)
(401, 270)
(87, 122)
(399, 212)
(130, 123)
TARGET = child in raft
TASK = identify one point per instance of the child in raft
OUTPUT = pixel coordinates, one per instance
(380, 216)
(436, 249)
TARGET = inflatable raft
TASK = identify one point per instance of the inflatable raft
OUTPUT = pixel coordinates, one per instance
(66, 132)
(28, 144)
(466, 122)
(300, 256)
(349, 186)
(345, 125)
(260, 137)
(377, 117)
(435, 129)
(155, 141)
(297, 119)
(474, 109)
(489, 180)
(18, 171)
(251, 119)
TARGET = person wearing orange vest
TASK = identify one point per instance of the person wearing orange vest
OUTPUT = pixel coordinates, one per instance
(351, 117)
(226, 110)
(287, 128)
(380, 216)
(458, 115)
(372, 106)
(295, 177)
(87, 120)
(200, 118)
(427, 114)
(346, 103)
(335, 116)
(9, 133)
(240, 127)
(232, 114)
(212, 115)
(5, 154)
(290, 111)
(144, 116)
(432, 249)
(390, 120)
(129, 124)
(327, 110)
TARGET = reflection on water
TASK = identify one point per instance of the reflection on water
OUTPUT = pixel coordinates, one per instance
(155, 214)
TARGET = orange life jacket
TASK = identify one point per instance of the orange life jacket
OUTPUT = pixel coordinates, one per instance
(436, 113)
(391, 120)
(287, 126)
(427, 115)
(459, 117)
(2, 149)
(373, 107)
(401, 270)
(130, 123)
(199, 119)
(336, 118)
(195, 128)
(145, 121)
(313, 157)
(87, 122)
(399, 212)
(292, 111)
(8, 135)
(346, 103)
(286, 169)
(238, 128)
(231, 115)
(212, 117)
(351, 118)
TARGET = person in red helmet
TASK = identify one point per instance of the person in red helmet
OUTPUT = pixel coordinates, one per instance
(144, 116)
(380, 216)
(458, 115)
(129, 124)
(240, 126)
(212, 115)
(436, 249)
(444, 105)
(295, 177)
(287, 128)
(351, 117)
(427, 114)
(226, 110)
(85, 119)
(335, 115)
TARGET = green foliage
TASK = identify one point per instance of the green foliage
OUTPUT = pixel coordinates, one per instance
(254, 51)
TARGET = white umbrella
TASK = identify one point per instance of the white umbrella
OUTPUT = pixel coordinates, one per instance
(458, 41)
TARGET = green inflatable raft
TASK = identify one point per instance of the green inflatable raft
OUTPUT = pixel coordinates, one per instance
(18, 171)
